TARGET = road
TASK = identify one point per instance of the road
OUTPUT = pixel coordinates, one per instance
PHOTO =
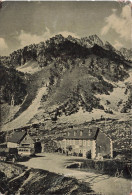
(99, 183)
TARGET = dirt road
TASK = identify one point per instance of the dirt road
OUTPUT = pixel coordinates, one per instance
(100, 183)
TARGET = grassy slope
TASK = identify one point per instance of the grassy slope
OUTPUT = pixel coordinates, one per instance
(114, 97)
(67, 91)
(78, 81)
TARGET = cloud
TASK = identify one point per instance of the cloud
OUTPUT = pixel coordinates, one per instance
(28, 38)
(118, 45)
(121, 24)
(66, 33)
(3, 44)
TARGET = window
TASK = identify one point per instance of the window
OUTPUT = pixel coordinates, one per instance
(80, 142)
(75, 133)
(88, 142)
(77, 142)
(84, 142)
(25, 144)
(89, 132)
(81, 133)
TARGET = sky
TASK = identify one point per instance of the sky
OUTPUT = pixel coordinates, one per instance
(25, 23)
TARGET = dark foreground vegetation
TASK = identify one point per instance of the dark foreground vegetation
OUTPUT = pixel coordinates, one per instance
(115, 168)
(36, 181)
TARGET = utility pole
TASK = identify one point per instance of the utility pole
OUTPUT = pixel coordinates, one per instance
(12, 101)
(105, 123)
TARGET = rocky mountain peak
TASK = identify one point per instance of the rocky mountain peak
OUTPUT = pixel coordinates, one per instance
(108, 46)
(96, 40)
(127, 53)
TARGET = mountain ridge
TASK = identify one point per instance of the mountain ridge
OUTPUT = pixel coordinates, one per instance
(33, 51)
(74, 71)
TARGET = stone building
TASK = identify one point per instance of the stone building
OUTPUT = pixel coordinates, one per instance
(87, 142)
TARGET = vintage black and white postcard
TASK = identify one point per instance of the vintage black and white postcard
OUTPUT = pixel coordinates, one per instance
(65, 97)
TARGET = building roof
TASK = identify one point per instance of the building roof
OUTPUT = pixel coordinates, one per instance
(59, 138)
(17, 136)
(27, 140)
(85, 133)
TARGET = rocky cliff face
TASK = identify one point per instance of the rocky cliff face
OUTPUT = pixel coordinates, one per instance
(39, 51)
(127, 53)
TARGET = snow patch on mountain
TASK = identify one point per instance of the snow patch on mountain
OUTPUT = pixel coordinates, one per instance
(82, 116)
(118, 97)
(30, 67)
(29, 113)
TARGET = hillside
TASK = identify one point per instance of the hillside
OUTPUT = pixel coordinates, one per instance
(13, 84)
(22, 180)
(64, 79)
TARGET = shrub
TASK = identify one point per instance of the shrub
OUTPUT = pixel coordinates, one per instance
(109, 167)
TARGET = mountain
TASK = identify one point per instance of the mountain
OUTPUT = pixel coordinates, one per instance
(13, 84)
(63, 79)
(127, 53)
(86, 45)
